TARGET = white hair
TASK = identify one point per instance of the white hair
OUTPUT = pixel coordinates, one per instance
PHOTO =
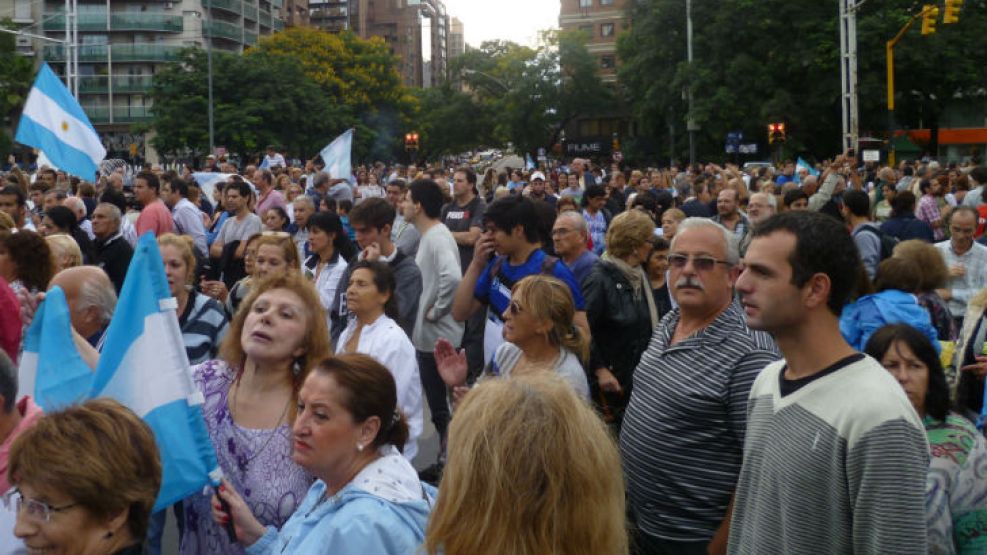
(305, 199)
(772, 201)
(576, 219)
(98, 293)
(112, 209)
(730, 242)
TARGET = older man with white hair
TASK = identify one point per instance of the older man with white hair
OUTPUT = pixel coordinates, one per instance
(569, 236)
(683, 433)
(78, 208)
(113, 252)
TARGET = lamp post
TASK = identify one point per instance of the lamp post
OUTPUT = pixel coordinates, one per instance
(212, 133)
(690, 122)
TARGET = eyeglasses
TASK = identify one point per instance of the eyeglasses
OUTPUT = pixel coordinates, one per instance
(700, 263)
(36, 510)
(515, 308)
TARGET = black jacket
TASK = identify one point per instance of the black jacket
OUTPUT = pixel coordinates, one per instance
(620, 324)
(113, 256)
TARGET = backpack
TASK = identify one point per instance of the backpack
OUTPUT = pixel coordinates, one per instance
(888, 242)
(547, 269)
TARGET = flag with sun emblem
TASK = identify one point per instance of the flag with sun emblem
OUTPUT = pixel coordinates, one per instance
(54, 123)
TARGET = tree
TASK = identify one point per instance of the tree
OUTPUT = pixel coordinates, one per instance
(257, 101)
(451, 122)
(533, 93)
(16, 76)
(358, 76)
(763, 60)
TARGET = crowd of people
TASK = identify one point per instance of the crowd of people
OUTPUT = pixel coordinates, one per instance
(696, 359)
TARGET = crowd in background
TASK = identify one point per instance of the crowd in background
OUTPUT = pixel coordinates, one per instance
(695, 359)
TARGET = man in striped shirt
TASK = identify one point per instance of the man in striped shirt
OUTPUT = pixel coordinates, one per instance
(835, 456)
(683, 431)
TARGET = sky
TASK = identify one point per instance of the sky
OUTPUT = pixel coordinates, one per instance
(514, 20)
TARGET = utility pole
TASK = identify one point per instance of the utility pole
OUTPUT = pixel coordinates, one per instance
(848, 72)
(212, 132)
(690, 124)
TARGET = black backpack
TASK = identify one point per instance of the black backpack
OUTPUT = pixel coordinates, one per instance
(888, 242)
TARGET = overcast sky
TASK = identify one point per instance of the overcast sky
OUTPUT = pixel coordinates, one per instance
(515, 20)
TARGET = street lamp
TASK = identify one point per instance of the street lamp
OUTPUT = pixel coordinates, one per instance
(467, 71)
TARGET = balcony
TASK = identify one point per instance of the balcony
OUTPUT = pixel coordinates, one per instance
(96, 21)
(223, 30)
(265, 18)
(121, 114)
(249, 37)
(278, 25)
(122, 84)
(250, 11)
(232, 6)
(121, 53)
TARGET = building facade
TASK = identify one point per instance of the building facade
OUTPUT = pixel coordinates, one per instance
(417, 31)
(457, 38)
(123, 42)
(601, 21)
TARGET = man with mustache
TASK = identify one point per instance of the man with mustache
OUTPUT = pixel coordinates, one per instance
(683, 433)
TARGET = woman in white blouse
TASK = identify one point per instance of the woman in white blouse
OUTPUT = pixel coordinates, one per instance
(373, 331)
(331, 248)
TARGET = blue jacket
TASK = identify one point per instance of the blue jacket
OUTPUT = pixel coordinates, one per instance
(352, 522)
(871, 312)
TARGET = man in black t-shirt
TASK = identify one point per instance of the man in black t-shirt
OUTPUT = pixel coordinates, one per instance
(464, 218)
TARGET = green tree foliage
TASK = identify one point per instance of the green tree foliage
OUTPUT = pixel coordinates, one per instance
(533, 93)
(451, 122)
(358, 76)
(252, 107)
(16, 77)
(763, 60)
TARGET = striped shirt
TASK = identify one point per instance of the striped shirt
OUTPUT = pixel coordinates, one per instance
(683, 431)
(836, 466)
(203, 326)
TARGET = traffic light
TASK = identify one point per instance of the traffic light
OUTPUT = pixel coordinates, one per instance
(411, 141)
(776, 133)
(952, 14)
(930, 14)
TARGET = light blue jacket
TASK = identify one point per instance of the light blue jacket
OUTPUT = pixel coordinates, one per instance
(352, 522)
(869, 313)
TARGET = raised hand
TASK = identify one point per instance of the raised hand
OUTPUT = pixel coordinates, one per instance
(450, 363)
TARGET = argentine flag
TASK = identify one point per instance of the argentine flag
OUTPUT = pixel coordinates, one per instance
(803, 165)
(144, 366)
(53, 122)
(51, 368)
(336, 156)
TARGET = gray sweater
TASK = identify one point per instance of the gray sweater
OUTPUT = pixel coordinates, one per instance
(438, 260)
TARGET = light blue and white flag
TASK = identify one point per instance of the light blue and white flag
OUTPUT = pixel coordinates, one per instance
(803, 165)
(529, 164)
(53, 122)
(51, 368)
(337, 156)
(144, 366)
(207, 181)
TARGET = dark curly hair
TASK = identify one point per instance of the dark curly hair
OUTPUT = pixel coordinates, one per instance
(30, 253)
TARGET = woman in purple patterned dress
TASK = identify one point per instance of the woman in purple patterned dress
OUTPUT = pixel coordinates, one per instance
(250, 399)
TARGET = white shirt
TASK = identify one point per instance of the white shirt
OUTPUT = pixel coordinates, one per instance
(327, 281)
(275, 160)
(387, 343)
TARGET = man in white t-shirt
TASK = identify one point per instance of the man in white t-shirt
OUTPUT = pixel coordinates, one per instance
(273, 159)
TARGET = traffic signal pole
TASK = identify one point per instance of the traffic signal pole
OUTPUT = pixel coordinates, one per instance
(927, 11)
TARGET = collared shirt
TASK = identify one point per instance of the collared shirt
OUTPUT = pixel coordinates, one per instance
(742, 227)
(683, 432)
(386, 342)
(188, 221)
(156, 218)
(270, 200)
(928, 212)
(962, 288)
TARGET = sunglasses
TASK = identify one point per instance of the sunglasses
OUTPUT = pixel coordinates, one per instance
(515, 308)
(700, 263)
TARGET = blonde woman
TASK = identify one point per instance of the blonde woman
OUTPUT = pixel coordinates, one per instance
(562, 496)
(65, 251)
(539, 336)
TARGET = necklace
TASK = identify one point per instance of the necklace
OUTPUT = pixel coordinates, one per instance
(243, 461)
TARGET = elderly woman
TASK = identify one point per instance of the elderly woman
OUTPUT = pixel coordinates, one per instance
(202, 320)
(373, 331)
(65, 251)
(621, 310)
(670, 221)
(956, 492)
(70, 495)
(539, 336)
(367, 498)
(250, 397)
(486, 502)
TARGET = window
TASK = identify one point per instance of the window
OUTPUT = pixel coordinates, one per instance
(606, 62)
(606, 2)
(606, 30)
(588, 29)
(585, 3)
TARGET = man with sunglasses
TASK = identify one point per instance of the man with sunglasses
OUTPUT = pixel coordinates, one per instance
(683, 433)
